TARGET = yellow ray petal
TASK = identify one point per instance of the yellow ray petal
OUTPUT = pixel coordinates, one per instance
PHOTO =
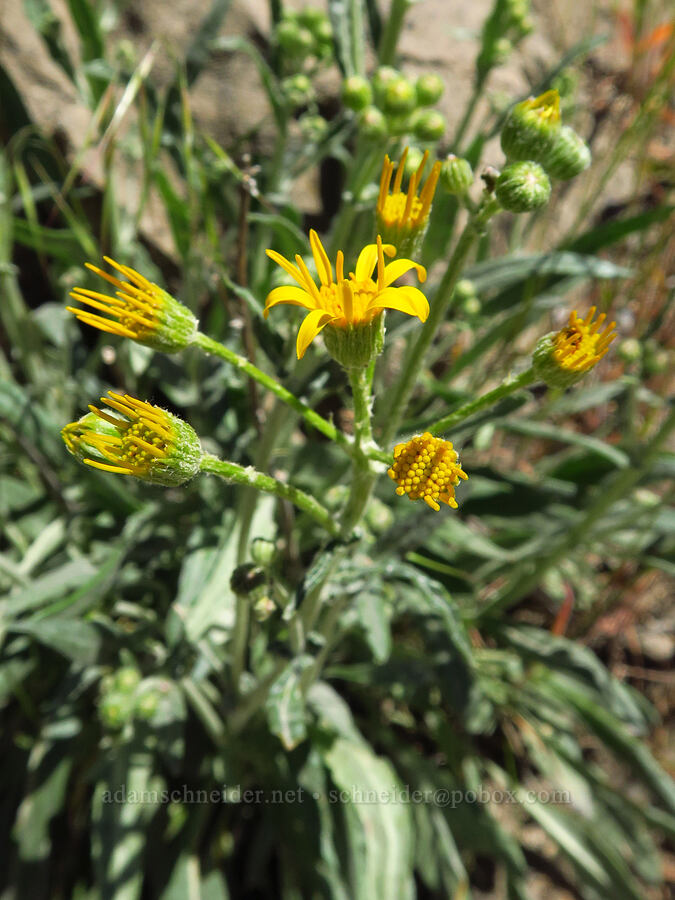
(287, 266)
(367, 259)
(311, 326)
(408, 300)
(323, 266)
(294, 296)
(399, 267)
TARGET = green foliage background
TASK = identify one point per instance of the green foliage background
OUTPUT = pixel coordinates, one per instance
(436, 665)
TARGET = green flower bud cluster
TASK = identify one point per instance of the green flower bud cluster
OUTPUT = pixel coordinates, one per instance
(392, 104)
(508, 23)
(125, 697)
(298, 90)
(303, 38)
(533, 131)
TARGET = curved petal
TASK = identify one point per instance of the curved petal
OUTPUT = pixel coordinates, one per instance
(323, 266)
(367, 259)
(288, 294)
(400, 267)
(311, 326)
(287, 266)
(408, 300)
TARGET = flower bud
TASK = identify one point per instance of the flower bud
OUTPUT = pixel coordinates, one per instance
(314, 128)
(372, 124)
(295, 42)
(568, 157)
(532, 127)
(263, 552)
(398, 96)
(263, 608)
(563, 357)
(429, 125)
(312, 18)
(413, 161)
(140, 310)
(429, 89)
(456, 175)
(630, 350)
(402, 216)
(357, 93)
(298, 90)
(146, 441)
(382, 77)
(523, 187)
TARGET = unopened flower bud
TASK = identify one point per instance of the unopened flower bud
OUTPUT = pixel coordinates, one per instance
(382, 77)
(313, 128)
(456, 175)
(298, 90)
(429, 125)
(263, 552)
(532, 127)
(523, 187)
(398, 96)
(429, 89)
(630, 350)
(568, 157)
(295, 42)
(357, 93)
(372, 124)
(563, 357)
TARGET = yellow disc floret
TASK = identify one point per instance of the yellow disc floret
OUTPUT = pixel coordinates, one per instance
(140, 310)
(581, 345)
(427, 468)
(144, 441)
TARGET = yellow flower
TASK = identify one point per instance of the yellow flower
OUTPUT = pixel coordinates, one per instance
(140, 310)
(145, 441)
(402, 217)
(561, 358)
(346, 304)
(427, 468)
(581, 345)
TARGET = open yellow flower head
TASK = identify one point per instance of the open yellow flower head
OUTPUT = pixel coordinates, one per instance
(140, 310)
(427, 468)
(144, 440)
(402, 217)
(564, 356)
(349, 308)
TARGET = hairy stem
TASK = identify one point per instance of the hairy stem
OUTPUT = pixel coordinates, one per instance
(469, 409)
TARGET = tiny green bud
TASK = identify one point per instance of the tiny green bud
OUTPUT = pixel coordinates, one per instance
(465, 289)
(263, 608)
(146, 705)
(568, 157)
(413, 161)
(311, 17)
(429, 125)
(357, 93)
(429, 89)
(399, 124)
(456, 175)
(372, 124)
(630, 350)
(263, 552)
(314, 128)
(656, 359)
(115, 710)
(471, 307)
(295, 42)
(381, 79)
(523, 187)
(323, 34)
(298, 90)
(532, 127)
(501, 50)
(127, 679)
(399, 96)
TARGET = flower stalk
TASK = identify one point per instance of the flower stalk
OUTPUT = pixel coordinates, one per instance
(489, 399)
(249, 477)
(442, 303)
(363, 476)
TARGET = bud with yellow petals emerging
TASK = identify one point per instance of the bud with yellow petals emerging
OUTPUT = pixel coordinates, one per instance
(402, 217)
(145, 441)
(563, 357)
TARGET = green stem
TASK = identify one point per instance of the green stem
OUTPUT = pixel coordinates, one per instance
(363, 476)
(468, 115)
(248, 476)
(618, 488)
(469, 409)
(439, 308)
(392, 31)
(215, 348)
